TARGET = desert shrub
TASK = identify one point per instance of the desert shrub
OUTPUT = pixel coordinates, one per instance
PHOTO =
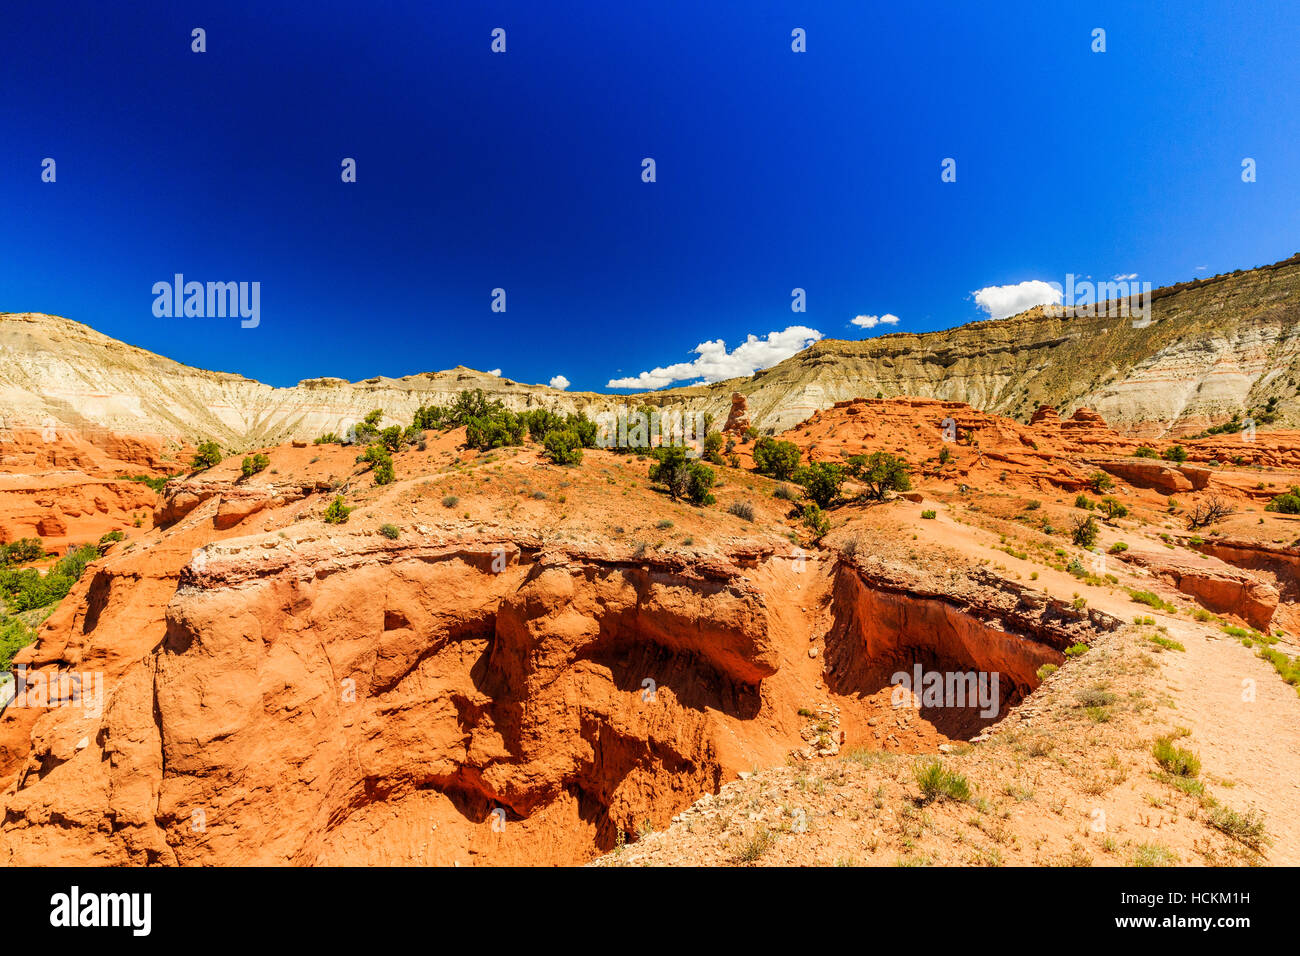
(1287, 503)
(21, 551)
(367, 430)
(712, 451)
(450, 501)
(541, 422)
(741, 509)
(499, 430)
(776, 459)
(1247, 828)
(1100, 482)
(881, 472)
(822, 482)
(207, 455)
(937, 782)
(1175, 760)
(1112, 508)
(1144, 452)
(392, 437)
(815, 519)
(1119, 547)
(683, 478)
(14, 636)
(337, 512)
(945, 455)
(390, 531)
(1151, 600)
(563, 447)
(111, 536)
(251, 465)
(1175, 453)
(785, 493)
(1167, 643)
(381, 463)
(1083, 501)
(1076, 650)
(928, 513)
(28, 589)
(329, 438)
(1046, 671)
(1084, 531)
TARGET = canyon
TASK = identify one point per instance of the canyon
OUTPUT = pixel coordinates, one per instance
(496, 660)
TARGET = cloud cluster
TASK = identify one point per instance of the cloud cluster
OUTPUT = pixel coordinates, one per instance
(495, 373)
(715, 363)
(560, 382)
(1000, 301)
(871, 321)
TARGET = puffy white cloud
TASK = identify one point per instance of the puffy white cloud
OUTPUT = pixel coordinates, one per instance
(715, 363)
(560, 382)
(1000, 301)
(1128, 278)
(495, 373)
(871, 321)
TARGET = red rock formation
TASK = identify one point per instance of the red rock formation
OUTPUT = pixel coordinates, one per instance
(738, 417)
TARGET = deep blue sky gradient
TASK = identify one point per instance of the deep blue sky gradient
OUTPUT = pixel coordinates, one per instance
(775, 170)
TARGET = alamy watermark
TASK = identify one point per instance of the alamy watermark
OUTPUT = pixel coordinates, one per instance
(211, 300)
(63, 689)
(922, 688)
(644, 429)
(1121, 297)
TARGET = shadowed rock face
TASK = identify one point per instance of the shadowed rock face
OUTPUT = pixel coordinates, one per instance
(1213, 347)
(358, 700)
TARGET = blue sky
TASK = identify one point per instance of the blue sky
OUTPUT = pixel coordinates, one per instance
(523, 171)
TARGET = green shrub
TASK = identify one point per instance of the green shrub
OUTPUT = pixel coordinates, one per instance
(741, 509)
(776, 459)
(208, 455)
(1119, 547)
(713, 448)
(785, 493)
(337, 512)
(928, 513)
(881, 472)
(450, 501)
(1175, 453)
(329, 438)
(1287, 503)
(563, 447)
(1076, 650)
(14, 636)
(937, 782)
(815, 519)
(683, 478)
(1112, 508)
(821, 482)
(1246, 828)
(1145, 452)
(252, 465)
(390, 531)
(1176, 760)
(1100, 482)
(381, 463)
(1083, 501)
(111, 536)
(21, 551)
(1084, 531)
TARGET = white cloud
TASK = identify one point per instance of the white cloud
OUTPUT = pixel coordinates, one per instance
(1128, 278)
(559, 382)
(1000, 301)
(715, 363)
(495, 373)
(871, 321)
